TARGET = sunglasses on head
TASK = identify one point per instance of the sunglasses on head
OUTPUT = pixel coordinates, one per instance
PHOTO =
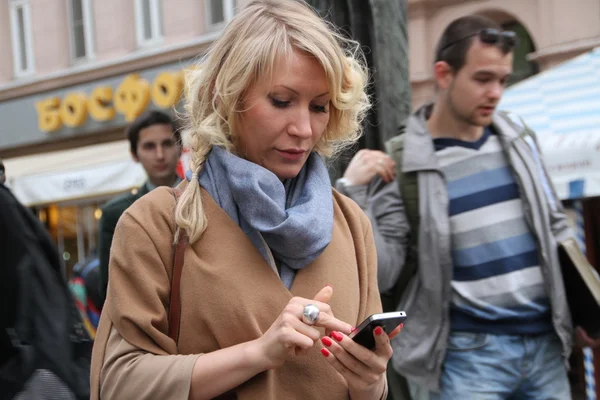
(490, 36)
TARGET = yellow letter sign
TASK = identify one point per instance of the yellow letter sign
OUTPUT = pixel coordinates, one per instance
(166, 89)
(132, 97)
(73, 110)
(48, 116)
(99, 104)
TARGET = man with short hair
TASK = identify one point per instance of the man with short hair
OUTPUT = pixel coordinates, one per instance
(480, 226)
(155, 142)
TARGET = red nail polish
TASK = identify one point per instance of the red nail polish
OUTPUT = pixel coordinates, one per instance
(326, 341)
(352, 328)
(337, 336)
(378, 331)
(325, 352)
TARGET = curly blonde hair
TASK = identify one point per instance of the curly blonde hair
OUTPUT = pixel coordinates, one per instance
(246, 52)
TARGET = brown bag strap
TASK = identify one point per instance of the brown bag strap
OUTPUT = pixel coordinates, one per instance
(175, 295)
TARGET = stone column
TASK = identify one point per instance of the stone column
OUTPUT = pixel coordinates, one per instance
(380, 26)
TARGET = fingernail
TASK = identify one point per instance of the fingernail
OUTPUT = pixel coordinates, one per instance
(378, 331)
(326, 341)
(337, 336)
(352, 328)
(329, 285)
(325, 352)
(401, 327)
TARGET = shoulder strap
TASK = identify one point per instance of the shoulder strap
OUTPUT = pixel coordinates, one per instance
(408, 185)
(407, 181)
(175, 295)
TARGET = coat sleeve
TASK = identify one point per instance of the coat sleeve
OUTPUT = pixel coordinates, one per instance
(136, 358)
(383, 206)
(131, 373)
(373, 297)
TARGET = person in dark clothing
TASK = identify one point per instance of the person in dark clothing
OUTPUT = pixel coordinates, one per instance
(44, 351)
(155, 142)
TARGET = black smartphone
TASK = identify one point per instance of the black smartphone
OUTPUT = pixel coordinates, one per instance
(363, 334)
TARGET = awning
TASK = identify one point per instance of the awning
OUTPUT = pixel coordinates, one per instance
(85, 172)
(562, 106)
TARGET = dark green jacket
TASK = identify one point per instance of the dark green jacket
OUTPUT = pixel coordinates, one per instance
(111, 212)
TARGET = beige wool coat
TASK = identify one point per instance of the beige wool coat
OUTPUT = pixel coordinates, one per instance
(229, 295)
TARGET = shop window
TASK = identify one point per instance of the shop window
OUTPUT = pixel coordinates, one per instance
(522, 68)
(148, 22)
(74, 227)
(220, 12)
(80, 17)
(20, 29)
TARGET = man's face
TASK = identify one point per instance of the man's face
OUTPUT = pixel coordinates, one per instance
(158, 153)
(476, 89)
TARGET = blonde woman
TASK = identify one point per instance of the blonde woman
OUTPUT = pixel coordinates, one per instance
(269, 240)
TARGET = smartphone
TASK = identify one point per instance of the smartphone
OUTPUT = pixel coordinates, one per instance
(363, 334)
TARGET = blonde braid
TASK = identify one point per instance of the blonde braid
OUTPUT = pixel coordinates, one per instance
(189, 212)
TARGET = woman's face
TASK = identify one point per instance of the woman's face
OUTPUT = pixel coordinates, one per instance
(285, 118)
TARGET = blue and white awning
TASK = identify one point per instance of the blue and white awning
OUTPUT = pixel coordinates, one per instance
(562, 106)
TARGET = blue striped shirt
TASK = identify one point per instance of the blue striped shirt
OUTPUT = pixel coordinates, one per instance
(497, 284)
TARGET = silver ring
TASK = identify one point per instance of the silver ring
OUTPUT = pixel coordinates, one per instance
(310, 315)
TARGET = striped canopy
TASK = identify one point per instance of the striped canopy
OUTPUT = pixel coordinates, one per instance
(562, 105)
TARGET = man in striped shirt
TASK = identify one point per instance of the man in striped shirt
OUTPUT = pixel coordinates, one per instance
(497, 284)
(486, 306)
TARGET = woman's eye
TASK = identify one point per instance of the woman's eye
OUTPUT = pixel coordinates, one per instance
(320, 109)
(279, 103)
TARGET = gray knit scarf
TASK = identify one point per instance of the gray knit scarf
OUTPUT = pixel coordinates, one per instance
(294, 217)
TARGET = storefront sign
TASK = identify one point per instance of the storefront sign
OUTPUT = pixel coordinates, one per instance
(92, 107)
(130, 99)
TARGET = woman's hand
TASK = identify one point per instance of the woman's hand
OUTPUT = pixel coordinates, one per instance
(288, 336)
(363, 369)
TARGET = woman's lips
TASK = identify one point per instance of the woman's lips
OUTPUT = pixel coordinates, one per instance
(292, 155)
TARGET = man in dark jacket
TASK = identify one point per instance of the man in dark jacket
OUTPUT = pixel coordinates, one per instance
(155, 142)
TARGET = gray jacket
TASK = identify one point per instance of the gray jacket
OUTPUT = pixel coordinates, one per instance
(420, 349)
(382, 204)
